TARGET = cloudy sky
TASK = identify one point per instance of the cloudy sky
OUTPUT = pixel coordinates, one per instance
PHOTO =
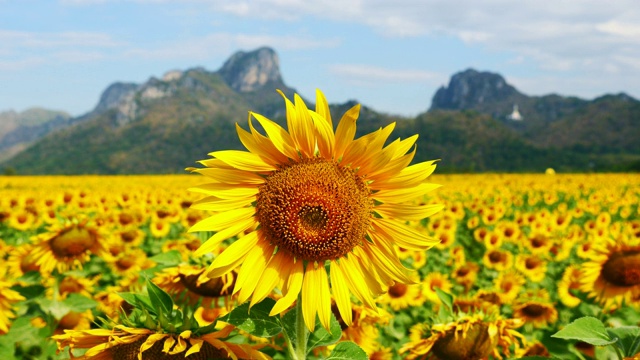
(390, 55)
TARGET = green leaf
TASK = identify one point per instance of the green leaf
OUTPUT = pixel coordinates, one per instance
(159, 298)
(79, 303)
(138, 301)
(256, 321)
(57, 309)
(347, 350)
(321, 337)
(587, 329)
(288, 322)
(447, 299)
(169, 258)
(628, 338)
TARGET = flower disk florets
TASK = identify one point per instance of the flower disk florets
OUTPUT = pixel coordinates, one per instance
(315, 209)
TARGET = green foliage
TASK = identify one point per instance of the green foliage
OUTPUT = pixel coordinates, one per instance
(625, 340)
(347, 350)
(255, 320)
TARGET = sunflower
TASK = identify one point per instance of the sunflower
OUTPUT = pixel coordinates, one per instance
(401, 296)
(70, 284)
(192, 281)
(74, 321)
(435, 281)
(532, 266)
(128, 343)
(612, 273)
(508, 285)
(21, 260)
(364, 329)
(469, 337)
(536, 309)
(570, 281)
(466, 274)
(497, 259)
(67, 246)
(320, 199)
(8, 299)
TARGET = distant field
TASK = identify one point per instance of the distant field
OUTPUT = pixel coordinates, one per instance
(546, 249)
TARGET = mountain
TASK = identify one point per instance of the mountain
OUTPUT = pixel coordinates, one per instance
(166, 124)
(606, 125)
(162, 125)
(19, 130)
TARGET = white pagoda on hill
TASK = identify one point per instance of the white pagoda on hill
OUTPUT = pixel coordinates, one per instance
(515, 115)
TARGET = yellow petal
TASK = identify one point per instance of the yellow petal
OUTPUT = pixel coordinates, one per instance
(256, 145)
(232, 176)
(226, 191)
(390, 266)
(168, 344)
(232, 256)
(251, 270)
(279, 136)
(341, 292)
(392, 168)
(271, 276)
(291, 290)
(223, 220)
(310, 297)
(324, 136)
(403, 235)
(346, 130)
(407, 212)
(213, 242)
(243, 160)
(196, 345)
(322, 108)
(180, 347)
(404, 194)
(212, 203)
(408, 177)
(266, 146)
(304, 134)
(324, 300)
(151, 340)
(355, 280)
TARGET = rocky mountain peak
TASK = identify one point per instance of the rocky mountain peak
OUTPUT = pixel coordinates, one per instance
(248, 71)
(470, 88)
(115, 95)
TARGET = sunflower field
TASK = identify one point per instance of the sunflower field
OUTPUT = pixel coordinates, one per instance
(518, 258)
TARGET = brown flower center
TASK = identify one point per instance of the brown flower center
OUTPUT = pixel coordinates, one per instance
(72, 242)
(534, 310)
(129, 235)
(314, 209)
(474, 344)
(532, 263)
(68, 286)
(496, 257)
(211, 288)
(398, 290)
(622, 269)
(130, 352)
(28, 263)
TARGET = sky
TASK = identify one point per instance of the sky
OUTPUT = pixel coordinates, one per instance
(389, 55)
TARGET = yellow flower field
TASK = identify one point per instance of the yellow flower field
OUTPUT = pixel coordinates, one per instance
(521, 255)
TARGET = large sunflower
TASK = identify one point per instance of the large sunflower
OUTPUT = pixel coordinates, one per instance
(322, 201)
(612, 274)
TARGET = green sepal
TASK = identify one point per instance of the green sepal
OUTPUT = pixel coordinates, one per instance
(159, 298)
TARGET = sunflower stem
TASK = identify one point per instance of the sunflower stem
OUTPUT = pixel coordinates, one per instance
(301, 332)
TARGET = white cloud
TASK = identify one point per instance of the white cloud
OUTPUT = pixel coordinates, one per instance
(361, 73)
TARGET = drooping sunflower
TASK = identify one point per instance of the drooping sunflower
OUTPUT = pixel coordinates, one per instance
(469, 337)
(612, 273)
(128, 343)
(192, 282)
(322, 200)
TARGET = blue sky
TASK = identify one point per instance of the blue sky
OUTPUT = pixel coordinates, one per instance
(389, 55)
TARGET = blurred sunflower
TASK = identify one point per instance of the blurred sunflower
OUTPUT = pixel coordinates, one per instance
(321, 199)
(468, 337)
(508, 286)
(497, 259)
(193, 283)
(435, 281)
(364, 329)
(67, 246)
(21, 260)
(8, 299)
(535, 308)
(128, 343)
(570, 281)
(533, 267)
(611, 274)
(400, 296)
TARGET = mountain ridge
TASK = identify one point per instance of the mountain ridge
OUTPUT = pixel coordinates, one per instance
(166, 124)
